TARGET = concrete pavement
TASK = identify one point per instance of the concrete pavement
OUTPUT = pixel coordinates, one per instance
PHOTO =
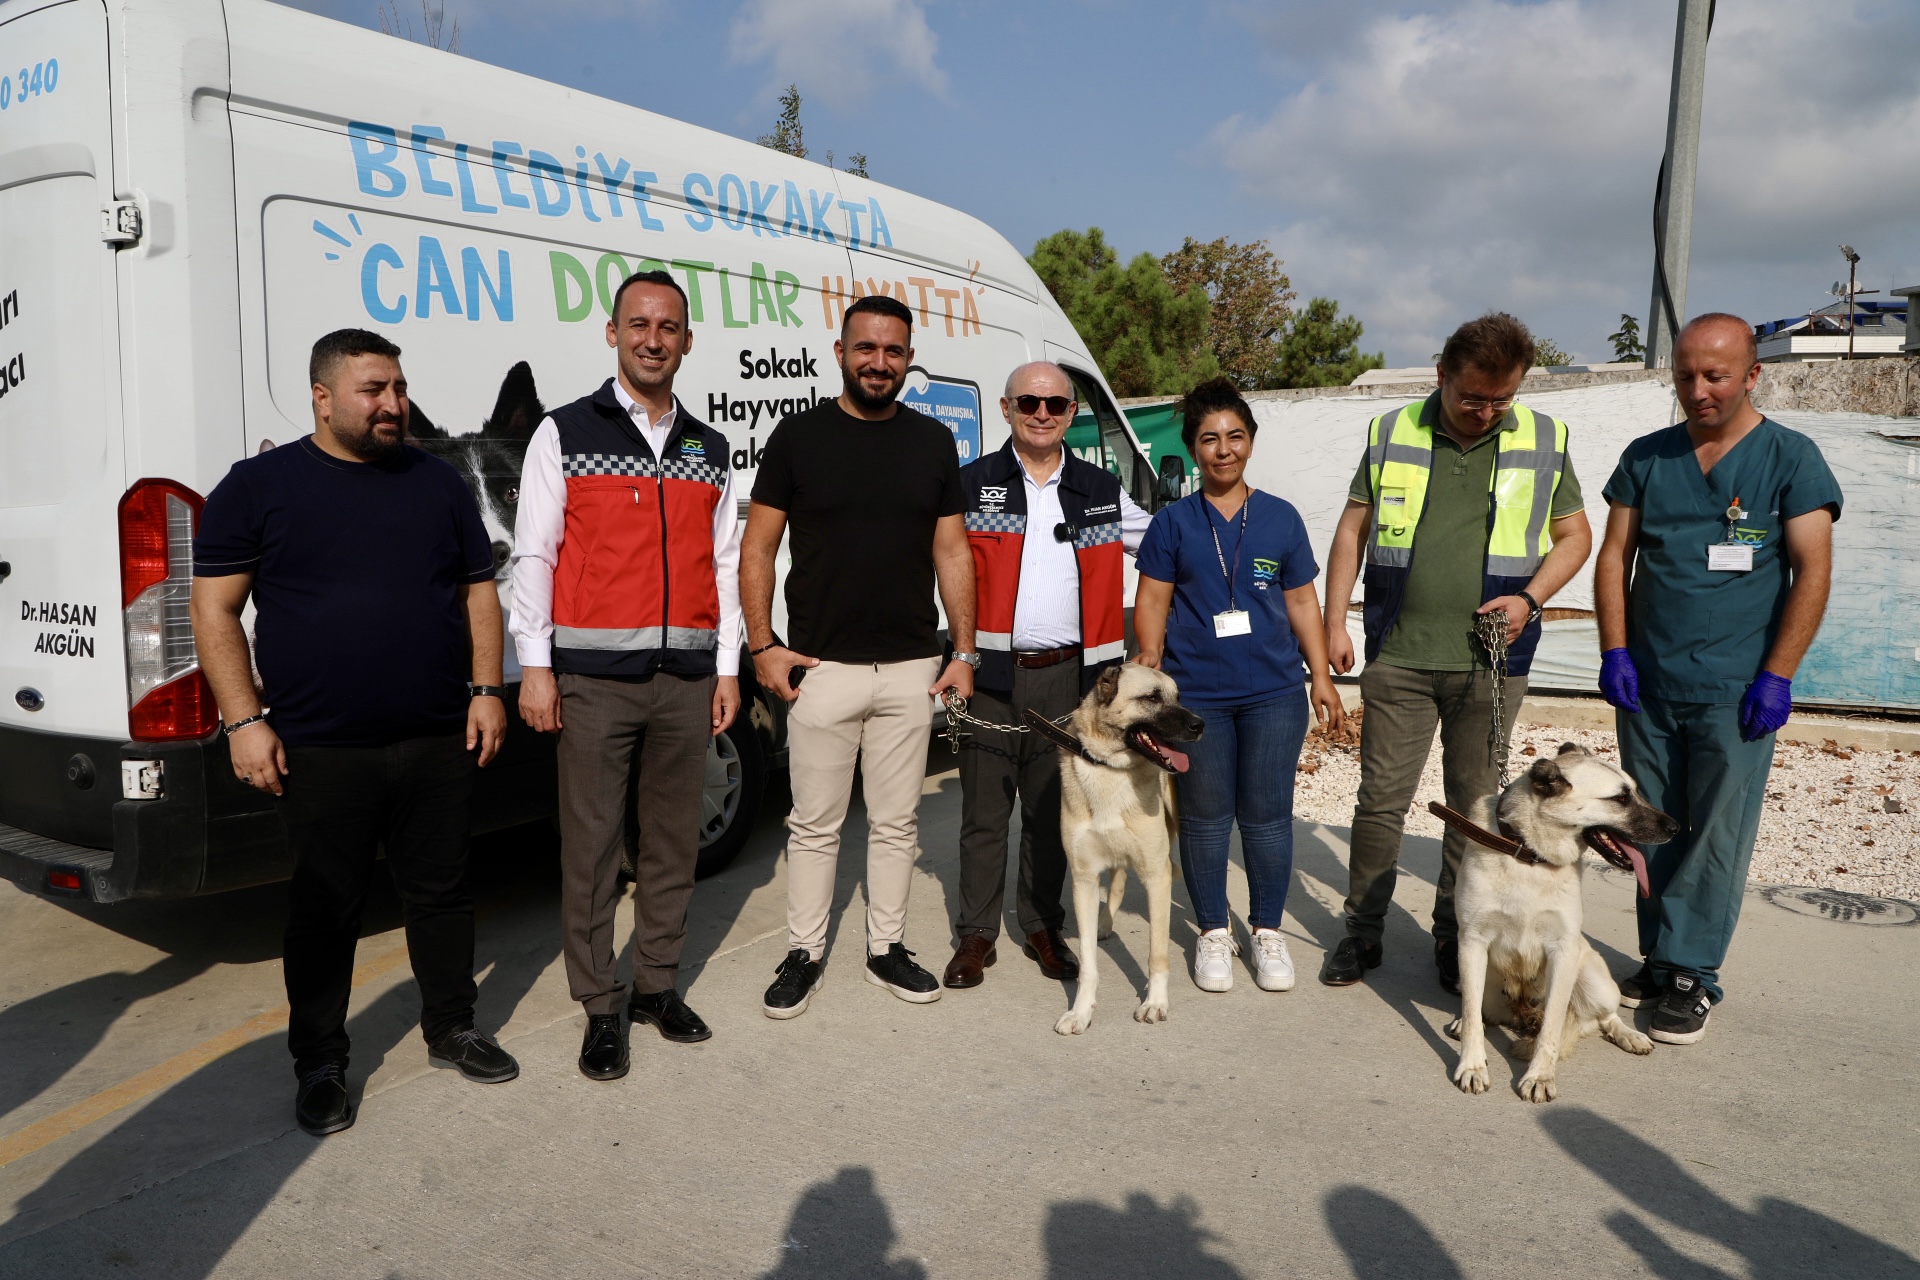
(145, 1101)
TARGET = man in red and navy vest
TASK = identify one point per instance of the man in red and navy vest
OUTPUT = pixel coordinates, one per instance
(1049, 534)
(626, 619)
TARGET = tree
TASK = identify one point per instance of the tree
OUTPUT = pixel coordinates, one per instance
(1626, 342)
(1148, 338)
(1547, 352)
(857, 163)
(1249, 297)
(1320, 349)
(788, 135)
(434, 31)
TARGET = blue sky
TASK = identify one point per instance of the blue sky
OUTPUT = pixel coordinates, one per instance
(1419, 162)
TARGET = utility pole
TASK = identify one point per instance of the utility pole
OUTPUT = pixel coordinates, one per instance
(1673, 206)
(1853, 284)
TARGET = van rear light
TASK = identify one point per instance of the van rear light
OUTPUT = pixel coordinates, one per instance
(167, 695)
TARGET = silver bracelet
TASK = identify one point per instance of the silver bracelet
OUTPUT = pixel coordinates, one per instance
(228, 730)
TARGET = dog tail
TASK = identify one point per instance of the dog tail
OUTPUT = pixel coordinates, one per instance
(1116, 890)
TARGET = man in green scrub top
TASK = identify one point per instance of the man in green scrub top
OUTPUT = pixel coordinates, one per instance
(1478, 510)
(1710, 586)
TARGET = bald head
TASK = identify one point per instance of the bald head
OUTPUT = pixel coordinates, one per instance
(1039, 378)
(1714, 370)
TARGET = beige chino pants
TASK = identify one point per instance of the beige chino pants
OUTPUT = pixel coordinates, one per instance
(876, 715)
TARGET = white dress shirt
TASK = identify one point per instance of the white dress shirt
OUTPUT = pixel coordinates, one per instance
(1046, 612)
(540, 525)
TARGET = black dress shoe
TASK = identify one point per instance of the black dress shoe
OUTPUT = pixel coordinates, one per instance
(322, 1105)
(1446, 958)
(479, 1058)
(603, 1053)
(1349, 961)
(667, 1011)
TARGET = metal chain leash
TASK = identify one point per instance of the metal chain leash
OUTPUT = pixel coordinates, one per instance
(1491, 630)
(957, 715)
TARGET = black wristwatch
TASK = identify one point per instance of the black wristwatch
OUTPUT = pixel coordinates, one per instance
(486, 691)
(1531, 604)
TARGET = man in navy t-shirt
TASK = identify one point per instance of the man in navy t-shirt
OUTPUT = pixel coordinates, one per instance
(378, 641)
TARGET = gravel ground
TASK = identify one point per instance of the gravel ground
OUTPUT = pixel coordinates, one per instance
(1827, 823)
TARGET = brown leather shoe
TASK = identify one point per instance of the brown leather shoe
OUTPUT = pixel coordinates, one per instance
(970, 960)
(1049, 949)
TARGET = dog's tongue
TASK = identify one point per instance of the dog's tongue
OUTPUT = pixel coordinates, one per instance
(1178, 759)
(1627, 857)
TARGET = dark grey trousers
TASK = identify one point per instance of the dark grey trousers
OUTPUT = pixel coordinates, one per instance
(994, 767)
(605, 721)
(1396, 733)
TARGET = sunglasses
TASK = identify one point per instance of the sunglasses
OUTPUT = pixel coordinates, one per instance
(1056, 405)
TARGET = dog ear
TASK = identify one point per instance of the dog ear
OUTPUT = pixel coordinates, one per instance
(1572, 748)
(1547, 780)
(1108, 685)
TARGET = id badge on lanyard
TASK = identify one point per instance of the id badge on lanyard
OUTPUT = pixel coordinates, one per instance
(1233, 620)
(1733, 555)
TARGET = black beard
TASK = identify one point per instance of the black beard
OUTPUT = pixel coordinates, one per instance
(369, 447)
(858, 393)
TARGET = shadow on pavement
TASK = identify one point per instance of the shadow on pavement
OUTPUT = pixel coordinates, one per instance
(1383, 1240)
(1088, 1240)
(841, 1228)
(1778, 1239)
(47, 1035)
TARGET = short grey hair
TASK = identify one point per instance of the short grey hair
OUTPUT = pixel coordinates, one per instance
(1040, 364)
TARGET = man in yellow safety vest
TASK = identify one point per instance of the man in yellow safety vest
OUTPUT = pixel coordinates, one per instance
(1482, 489)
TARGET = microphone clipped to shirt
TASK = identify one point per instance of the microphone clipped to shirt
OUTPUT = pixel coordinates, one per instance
(1064, 532)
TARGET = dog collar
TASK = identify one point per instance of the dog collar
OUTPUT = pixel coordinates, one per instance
(1061, 738)
(1515, 849)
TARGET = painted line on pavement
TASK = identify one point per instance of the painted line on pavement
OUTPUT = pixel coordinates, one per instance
(60, 1124)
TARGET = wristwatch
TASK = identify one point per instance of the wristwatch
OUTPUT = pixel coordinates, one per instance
(1532, 604)
(485, 691)
(971, 659)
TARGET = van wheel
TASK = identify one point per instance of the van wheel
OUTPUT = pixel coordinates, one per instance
(736, 781)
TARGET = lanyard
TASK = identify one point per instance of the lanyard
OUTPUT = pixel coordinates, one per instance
(1231, 575)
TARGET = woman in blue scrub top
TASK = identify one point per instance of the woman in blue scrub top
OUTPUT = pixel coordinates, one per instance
(1226, 606)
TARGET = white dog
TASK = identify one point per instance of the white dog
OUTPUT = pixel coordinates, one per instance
(1524, 962)
(1116, 812)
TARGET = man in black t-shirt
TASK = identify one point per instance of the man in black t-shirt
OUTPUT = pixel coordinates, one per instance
(872, 493)
(378, 639)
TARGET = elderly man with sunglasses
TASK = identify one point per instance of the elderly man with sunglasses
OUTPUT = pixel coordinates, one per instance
(1047, 531)
(1464, 505)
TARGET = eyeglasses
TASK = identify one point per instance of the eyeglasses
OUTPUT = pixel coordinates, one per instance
(1472, 405)
(1056, 405)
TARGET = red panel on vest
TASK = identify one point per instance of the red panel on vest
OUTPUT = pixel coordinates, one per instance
(1103, 579)
(996, 578)
(610, 566)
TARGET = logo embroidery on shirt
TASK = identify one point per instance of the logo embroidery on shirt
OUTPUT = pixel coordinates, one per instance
(693, 449)
(1101, 511)
(993, 498)
(1263, 571)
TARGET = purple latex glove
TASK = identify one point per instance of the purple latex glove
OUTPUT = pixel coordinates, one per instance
(1619, 681)
(1768, 703)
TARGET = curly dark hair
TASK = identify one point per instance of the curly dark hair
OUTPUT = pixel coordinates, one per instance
(1216, 395)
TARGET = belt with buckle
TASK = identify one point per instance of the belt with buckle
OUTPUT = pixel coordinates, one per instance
(1035, 659)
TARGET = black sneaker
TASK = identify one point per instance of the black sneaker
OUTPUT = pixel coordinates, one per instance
(1642, 988)
(603, 1050)
(322, 1106)
(1681, 1017)
(475, 1056)
(667, 1011)
(895, 970)
(794, 983)
(1446, 958)
(1349, 960)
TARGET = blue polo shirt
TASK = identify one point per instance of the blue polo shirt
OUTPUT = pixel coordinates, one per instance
(1697, 634)
(1272, 558)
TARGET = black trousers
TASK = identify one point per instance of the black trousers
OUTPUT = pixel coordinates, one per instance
(342, 804)
(995, 770)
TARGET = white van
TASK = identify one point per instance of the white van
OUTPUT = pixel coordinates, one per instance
(191, 193)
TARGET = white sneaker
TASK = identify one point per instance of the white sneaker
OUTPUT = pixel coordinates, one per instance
(1272, 966)
(1213, 960)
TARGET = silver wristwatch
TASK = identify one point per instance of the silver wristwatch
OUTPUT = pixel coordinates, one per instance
(971, 659)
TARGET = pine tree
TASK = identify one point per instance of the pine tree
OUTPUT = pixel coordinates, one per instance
(788, 134)
(1148, 338)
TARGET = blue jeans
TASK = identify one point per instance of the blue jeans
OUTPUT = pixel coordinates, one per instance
(1242, 768)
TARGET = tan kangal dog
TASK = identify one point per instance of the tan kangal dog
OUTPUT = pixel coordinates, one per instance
(1524, 962)
(1116, 813)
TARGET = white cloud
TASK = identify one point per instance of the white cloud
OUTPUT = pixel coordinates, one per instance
(839, 50)
(1502, 154)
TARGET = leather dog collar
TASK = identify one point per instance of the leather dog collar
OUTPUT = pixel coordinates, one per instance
(1061, 738)
(1515, 849)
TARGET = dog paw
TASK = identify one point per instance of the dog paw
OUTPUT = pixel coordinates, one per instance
(1073, 1022)
(1538, 1088)
(1453, 1028)
(1151, 1011)
(1472, 1078)
(1632, 1041)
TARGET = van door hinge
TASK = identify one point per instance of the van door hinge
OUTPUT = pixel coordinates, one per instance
(121, 223)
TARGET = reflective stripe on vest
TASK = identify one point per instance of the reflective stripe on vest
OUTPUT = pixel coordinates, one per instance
(1526, 471)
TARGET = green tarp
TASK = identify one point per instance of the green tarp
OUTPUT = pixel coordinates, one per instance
(1157, 426)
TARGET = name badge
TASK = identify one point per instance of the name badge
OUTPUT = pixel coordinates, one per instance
(1232, 622)
(1730, 557)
